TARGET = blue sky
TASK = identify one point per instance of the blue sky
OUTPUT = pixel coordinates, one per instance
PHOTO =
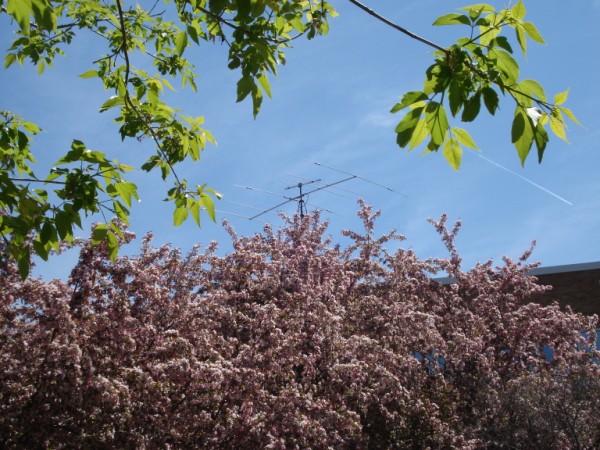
(330, 104)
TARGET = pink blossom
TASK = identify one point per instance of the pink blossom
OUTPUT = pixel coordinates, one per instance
(291, 342)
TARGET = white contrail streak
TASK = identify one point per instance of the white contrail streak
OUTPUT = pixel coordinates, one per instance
(542, 188)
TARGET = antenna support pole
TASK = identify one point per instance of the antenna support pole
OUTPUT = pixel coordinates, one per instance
(300, 196)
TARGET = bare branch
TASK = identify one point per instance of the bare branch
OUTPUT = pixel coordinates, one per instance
(397, 27)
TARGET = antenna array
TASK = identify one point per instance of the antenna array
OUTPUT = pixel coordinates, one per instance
(302, 194)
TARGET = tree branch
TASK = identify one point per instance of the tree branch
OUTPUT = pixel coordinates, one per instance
(397, 27)
(128, 101)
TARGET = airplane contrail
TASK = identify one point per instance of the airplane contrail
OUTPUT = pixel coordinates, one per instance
(542, 188)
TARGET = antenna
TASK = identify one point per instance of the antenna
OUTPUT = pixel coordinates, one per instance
(356, 176)
(301, 204)
(288, 199)
(291, 176)
(301, 196)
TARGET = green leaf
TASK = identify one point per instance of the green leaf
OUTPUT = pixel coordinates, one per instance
(89, 74)
(195, 210)
(115, 100)
(121, 212)
(410, 98)
(567, 112)
(452, 19)
(521, 37)
(533, 88)
(490, 99)
(472, 107)
(99, 233)
(64, 224)
(20, 10)
(41, 250)
(479, 7)
(463, 137)
(437, 78)
(557, 125)
(113, 245)
(437, 122)
(519, 11)
(244, 87)
(257, 98)
(264, 82)
(24, 263)
(456, 96)
(43, 14)
(47, 233)
(407, 125)
(533, 32)
(487, 34)
(541, 139)
(506, 64)
(502, 42)
(522, 134)
(209, 205)
(126, 190)
(193, 33)
(453, 153)
(561, 97)
(181, 42)
(180, 214)
(419, 134)
(9, 60)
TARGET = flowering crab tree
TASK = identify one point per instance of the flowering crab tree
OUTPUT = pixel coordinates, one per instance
(292, 342)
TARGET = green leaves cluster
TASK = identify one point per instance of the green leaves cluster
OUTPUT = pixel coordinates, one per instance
(479, 70)
(144, 53)
(38, 214)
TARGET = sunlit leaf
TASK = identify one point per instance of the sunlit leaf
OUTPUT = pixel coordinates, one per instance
(533, 88)
(463, 137)
(408, 99)
(437, 122)
(453, 153)
(519, 10)
(506, 64)
(452, 19)
(99, 233)
(522, 134)
(561, 97)
(557, 125)
(533, 32)
(407, 125)
(112, 245)
(567, 112)
(419, 134)
(179, 216)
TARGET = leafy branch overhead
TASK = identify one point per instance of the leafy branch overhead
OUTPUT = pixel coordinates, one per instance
(480, 69)
(145, 55)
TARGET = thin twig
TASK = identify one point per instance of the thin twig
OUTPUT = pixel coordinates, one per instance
(35, 180)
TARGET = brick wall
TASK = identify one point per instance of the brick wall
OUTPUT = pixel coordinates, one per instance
(576, 285)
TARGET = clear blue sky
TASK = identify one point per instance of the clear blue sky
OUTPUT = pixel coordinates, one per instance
(330, 104)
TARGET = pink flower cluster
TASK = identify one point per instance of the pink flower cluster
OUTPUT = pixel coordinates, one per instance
(292, 342)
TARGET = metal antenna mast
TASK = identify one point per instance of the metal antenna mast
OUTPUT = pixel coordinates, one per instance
(300, 197)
